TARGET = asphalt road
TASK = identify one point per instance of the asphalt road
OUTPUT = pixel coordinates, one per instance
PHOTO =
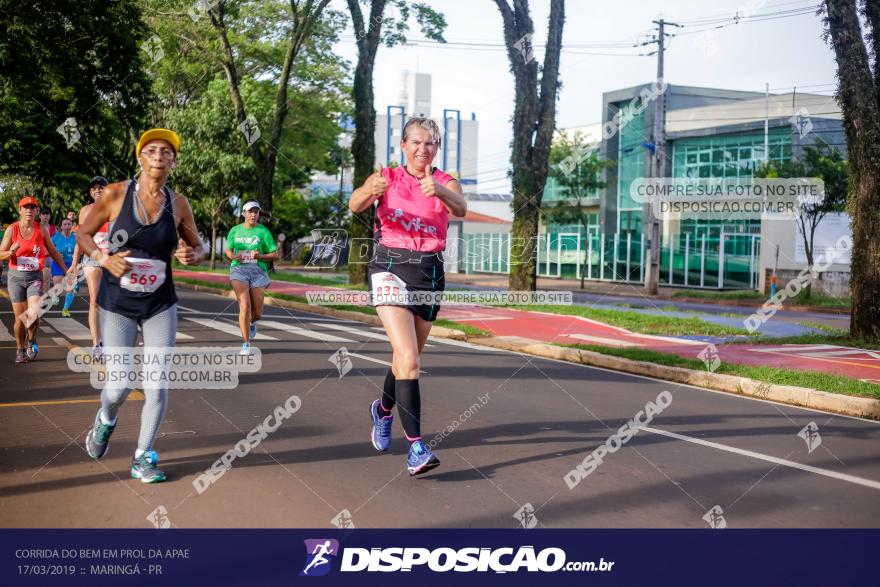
(740, 458)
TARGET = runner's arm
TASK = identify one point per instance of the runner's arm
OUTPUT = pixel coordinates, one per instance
(451, 195)
(363, 197)
(92, 220)
(230, 252)
(193, 253)
(5, 244)
(269, 255)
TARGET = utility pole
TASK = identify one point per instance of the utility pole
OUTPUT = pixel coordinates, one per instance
(650, 223)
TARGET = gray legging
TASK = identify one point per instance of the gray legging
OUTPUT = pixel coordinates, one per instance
(121, 332)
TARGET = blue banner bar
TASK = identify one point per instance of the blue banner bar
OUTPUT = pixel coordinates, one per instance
(434, 557)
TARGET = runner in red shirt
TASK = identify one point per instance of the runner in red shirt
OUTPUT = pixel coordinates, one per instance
(26, 244)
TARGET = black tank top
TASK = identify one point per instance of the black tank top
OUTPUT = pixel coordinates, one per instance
(145, 241)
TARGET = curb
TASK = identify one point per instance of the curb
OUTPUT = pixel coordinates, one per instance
(788, 394)
(438, 331)
(860, 407)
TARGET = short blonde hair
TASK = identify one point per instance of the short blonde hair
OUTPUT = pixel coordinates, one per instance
(427, 124)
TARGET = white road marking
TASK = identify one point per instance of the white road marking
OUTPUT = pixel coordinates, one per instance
(226, 327)
(756, 455)
(380, 361)
(357, 331)
(316, 334)
(70, 328)
(792, 348)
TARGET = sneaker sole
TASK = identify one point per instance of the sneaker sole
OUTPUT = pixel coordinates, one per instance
(433, 464)
(136, 475)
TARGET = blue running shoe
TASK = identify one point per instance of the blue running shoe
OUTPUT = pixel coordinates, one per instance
(245, 348)
(252, 333)
(420, 459)
(32, 350)
(381, 427)
(98, 438)
(144, 468)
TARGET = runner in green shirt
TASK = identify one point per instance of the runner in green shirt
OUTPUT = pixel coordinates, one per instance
(249, 245)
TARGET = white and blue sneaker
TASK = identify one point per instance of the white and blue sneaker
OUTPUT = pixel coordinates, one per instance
(245, 348)
(32, 350)
(381, 427)
(252, 333)
(144, 468)
(98, 437)
(420, 459)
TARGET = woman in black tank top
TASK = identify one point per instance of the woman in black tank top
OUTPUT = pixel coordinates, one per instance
(148, 224)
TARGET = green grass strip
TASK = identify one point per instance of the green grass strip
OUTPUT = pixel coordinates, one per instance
(811, 379)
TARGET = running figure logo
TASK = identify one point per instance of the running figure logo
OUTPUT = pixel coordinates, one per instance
(710, 358)
(69, 131)
(343, 520)
(319, 556)
(810, 434)
(341, 360)
(159, 518)
(715, 518)
(250, 129)
(526, 516)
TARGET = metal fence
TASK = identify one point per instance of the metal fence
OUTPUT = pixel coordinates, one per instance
(719, 261)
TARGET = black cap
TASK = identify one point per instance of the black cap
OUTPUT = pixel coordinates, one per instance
(98, 179)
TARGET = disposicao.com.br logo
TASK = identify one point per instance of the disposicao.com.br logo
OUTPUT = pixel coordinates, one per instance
(442, 560)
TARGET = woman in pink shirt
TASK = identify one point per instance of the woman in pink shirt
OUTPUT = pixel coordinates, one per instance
(406, 274)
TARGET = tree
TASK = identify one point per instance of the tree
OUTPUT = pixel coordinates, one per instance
(77, 71)
(826, 163)
(213, 167)
(534, 120)
(858, 94)
(296, 216)
(390, 31)
(304, 18)
(577, 168)
(192, 97)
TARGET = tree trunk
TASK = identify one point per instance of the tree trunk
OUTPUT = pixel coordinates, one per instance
(534, 120)
(363, 146)
(213, 242)
(858, 98)
(363, 149)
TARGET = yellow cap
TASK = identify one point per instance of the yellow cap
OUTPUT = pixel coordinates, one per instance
(158, 133)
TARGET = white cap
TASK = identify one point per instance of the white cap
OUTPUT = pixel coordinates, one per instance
(251, 204)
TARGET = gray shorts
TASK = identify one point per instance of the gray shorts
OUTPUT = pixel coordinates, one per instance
(251, 274)
(24, 284)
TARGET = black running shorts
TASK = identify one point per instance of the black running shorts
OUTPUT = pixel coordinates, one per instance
(401, 277)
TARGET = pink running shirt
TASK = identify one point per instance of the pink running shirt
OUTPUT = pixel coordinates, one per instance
(406, 219)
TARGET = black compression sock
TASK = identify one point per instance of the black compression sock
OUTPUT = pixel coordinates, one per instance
(409, 405)
(388, 393)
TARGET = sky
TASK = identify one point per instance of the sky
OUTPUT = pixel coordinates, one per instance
(773, 44)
